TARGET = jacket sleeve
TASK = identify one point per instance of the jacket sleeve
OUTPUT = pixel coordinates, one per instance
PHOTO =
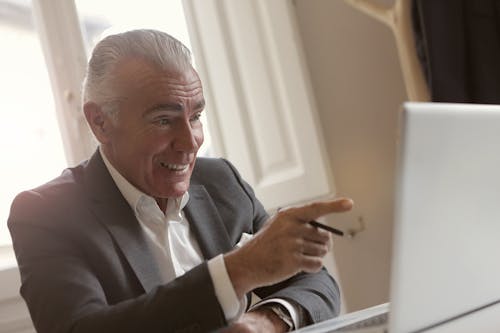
(317, 293)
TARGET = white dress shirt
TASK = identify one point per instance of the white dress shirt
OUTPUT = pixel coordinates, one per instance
(175, 248)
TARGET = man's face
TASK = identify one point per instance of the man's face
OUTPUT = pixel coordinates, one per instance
(157, 131)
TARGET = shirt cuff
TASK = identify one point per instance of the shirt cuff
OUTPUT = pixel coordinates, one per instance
(224, 290)
(291, 308)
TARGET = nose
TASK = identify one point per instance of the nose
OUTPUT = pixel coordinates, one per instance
(187, 139)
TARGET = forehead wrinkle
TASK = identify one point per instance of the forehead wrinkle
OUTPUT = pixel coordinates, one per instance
(138, 69)
(174, 81)
(134, 77)
(166, 107)
(173, 85)
(199, 104)
(195, 91)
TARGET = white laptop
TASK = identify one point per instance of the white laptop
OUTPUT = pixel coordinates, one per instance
(446, 253)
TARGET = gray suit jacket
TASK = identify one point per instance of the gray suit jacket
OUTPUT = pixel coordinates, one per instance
(86, 267)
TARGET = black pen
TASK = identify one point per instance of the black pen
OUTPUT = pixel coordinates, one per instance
(325, 227)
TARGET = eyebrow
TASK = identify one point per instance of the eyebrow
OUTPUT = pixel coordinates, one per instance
(200, 105)
(174, 107)
(166, 107)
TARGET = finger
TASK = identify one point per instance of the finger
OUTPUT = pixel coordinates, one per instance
(314, 249)
(314, 210)
(314, 234)
(330, 244)
(311, 264)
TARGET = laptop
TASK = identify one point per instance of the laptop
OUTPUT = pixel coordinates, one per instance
(446, 251)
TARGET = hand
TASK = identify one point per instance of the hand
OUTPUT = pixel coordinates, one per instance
(286, 245)
(257, 321)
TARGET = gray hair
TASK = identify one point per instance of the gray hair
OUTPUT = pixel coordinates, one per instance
(156, 47)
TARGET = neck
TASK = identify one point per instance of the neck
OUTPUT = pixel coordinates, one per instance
(162, 203)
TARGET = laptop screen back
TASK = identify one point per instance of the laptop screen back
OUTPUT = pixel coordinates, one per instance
(446, 255)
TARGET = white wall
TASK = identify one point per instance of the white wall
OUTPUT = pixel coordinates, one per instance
(358, 87)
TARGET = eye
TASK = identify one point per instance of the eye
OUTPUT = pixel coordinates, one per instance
(196, 117)
(163, 122)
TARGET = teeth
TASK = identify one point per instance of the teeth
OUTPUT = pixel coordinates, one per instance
(174, 167)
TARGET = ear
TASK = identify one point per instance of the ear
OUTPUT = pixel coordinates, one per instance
(99, 122)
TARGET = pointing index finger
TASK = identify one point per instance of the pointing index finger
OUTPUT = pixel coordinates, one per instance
(314, 210)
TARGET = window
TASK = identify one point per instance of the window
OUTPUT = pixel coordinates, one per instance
(99, 18)
(32, 152)
(116, 15)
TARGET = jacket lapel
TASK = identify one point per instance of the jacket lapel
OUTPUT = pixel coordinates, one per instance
(206, 223)
(113, 211)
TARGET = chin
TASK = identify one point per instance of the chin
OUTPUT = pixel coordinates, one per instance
(176, 191)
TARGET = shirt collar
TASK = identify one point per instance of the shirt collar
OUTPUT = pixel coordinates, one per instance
(134, 196)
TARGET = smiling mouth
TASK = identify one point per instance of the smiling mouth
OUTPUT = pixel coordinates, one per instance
(175, 167)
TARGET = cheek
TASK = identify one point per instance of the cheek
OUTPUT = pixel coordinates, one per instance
(139, 140)
(153, 142)
(198, 136)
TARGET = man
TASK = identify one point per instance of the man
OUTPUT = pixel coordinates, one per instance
(146, 237)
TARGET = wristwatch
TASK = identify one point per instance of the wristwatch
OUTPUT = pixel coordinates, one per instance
(283, 314)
